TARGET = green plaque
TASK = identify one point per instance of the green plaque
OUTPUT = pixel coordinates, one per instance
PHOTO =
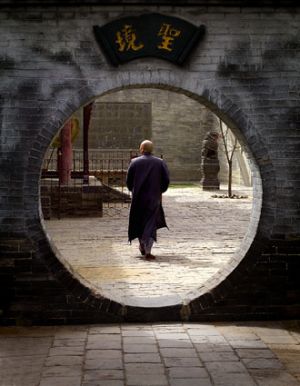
(155, 35)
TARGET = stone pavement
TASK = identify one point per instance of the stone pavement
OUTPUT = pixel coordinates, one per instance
(175, 354)
(204, 234)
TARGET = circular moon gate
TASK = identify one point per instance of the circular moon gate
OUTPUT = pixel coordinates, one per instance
(204, 231)
(112, 310)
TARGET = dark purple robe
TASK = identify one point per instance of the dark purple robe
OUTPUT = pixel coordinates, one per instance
(147, 179)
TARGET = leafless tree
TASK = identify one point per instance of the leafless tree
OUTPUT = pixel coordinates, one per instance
(229, 148)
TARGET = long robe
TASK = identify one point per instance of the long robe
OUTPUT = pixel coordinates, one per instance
(147, 178)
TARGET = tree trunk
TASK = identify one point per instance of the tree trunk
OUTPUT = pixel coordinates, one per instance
(229, 178)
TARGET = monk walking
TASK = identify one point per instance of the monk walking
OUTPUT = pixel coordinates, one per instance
(147, 178)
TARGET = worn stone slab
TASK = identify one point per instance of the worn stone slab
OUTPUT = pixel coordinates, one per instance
(178, 352)
(102, 382)
(62, 371)
(68, 343)
(103, 364)
(61, 360)
(208, 347)
(142, 357)
(61, 381)
(182, 362)
(255, 353)
(128, 348)
(263, 363)
(190, 382)
(103, 354)
(104, 341)
(139, 340)
(165, 343)
(105, 330)
(247, 344)
(146, 379)
(20, 379)
(24, 346)
(225, 367)
(233, 379)
(187, 372)
(144, 368)
(66, 351)
(218, 356)
(274, 378)
(96, 375)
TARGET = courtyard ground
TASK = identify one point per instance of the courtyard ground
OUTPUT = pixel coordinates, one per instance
(204, 234)
(175, 354)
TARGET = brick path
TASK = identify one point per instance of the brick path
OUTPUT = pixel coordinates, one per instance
(203, 235)
(222, 354)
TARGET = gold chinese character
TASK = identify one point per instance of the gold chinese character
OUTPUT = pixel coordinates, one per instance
(168, 34)
(126, 39)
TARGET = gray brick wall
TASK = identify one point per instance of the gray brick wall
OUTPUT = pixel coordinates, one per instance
(246, 70)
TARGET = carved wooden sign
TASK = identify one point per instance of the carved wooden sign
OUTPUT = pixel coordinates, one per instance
(155, 35)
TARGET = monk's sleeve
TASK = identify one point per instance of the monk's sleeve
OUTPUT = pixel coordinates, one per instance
(165, 178)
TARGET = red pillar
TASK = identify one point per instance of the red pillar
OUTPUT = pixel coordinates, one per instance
(65, 162)
(87, 111)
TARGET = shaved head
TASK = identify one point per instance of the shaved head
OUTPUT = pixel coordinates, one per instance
(146, 147)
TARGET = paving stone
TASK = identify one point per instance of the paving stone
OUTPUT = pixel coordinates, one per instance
(103, 354)
(66, 351)
(225, 367)
(205, 331)
(187, 372)
(103, 364)
(175, 343)
(127, 348)
(144, 368)
(262, 363)
(274, 378)
(255, 353)
(18, 346)
(208, 347)
(21, 364)
(278, 339)
(182, 362)
(31, 379)
(104, 341)
(146, 380)
(138, 333)
(218, 356)
(61, 371)
(233, 380)
(178, 352)
(75, 333)
(114, 382)
(68, 342)
(105, 330)
(139, 340)
(172, 336)
(60, 381)
(190, 382)
(96, 375)
(61, 360)
(247, 344)
(142, 357)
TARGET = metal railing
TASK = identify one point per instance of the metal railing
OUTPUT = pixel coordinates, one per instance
(106, 185)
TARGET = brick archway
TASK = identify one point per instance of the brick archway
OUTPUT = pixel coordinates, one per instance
(218, 286)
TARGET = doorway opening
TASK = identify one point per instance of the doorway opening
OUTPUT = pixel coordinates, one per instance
(85, 201)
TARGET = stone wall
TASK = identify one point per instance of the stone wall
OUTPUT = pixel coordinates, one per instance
(246, 70)
(175, 123)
